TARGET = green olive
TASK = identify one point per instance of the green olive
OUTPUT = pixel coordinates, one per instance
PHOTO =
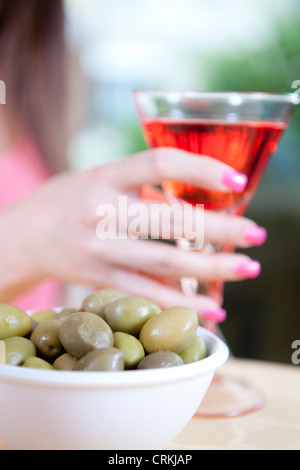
(64, 362)
(129, 314)
(65, 313)
(131, 347)
(18, 350)
(172, 330)
(39, 317)
(160, 359)
(46, 340)
(43, 315)
(99, 300)
(13, 322)
(105, 359)
(195, 351)
(83, 332)
(37, 363)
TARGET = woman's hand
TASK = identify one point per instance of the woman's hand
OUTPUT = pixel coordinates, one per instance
(60, 222)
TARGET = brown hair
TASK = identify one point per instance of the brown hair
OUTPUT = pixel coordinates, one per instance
(32, 65)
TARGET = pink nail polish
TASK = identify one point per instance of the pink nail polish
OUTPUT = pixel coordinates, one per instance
(256, 235)
(235, 181)
(215, 315)
(248, 270)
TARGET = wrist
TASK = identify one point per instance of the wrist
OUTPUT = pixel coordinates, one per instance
(18, 269)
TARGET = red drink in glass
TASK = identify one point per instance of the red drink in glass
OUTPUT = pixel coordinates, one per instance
(246, 146)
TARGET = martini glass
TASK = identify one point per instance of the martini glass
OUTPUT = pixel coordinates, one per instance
(242, 130)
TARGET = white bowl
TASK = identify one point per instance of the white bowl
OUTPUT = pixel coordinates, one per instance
(139, 409)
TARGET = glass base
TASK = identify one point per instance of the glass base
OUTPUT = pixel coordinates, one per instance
(228, 397)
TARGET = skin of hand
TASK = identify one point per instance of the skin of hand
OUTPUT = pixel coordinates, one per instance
(53, 233)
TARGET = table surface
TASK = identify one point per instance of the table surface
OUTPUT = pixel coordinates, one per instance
(276, 426)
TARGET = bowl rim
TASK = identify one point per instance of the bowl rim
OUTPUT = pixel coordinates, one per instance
(218, 355)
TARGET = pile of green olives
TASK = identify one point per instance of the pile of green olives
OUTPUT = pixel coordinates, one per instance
(111, 331)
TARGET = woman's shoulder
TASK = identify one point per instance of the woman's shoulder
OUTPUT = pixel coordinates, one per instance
(22, 169)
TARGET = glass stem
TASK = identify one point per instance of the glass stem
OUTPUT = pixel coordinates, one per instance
(192, 286)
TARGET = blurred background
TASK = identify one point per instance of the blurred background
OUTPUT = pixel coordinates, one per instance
(251, 45)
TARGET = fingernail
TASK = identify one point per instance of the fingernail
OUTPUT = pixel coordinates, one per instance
(215, 315)
(256, 235)
(235, 180)
(248, 270)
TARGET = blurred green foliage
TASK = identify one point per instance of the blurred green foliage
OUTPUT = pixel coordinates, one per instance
(272, 68)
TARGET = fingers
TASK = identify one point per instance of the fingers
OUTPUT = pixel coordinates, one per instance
(140, 219)
(161, 260)
(225, 229)
(164, 295)
(156, 165)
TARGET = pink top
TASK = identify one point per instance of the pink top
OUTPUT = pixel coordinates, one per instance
(21, 172)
